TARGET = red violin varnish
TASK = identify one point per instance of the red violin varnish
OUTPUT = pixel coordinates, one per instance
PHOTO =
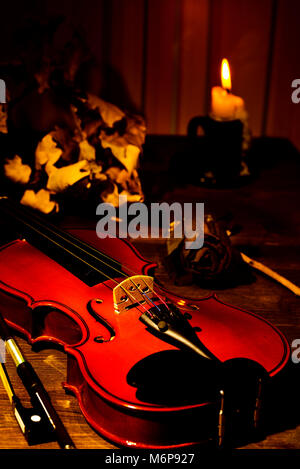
(150, 369)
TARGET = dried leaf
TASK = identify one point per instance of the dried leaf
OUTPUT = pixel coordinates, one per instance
(46, 152)
(86, 151)
(17, 171)
(61, 178)
(127, 155)
(39, 201)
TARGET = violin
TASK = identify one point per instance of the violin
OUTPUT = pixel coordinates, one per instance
(150, 369)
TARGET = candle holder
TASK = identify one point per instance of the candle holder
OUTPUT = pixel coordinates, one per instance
(223, 158)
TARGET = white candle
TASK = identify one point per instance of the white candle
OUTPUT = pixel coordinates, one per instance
(224, 104)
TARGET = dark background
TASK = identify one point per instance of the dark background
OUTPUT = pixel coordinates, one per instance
(161, 57)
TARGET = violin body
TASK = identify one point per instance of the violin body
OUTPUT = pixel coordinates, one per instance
(133, 387)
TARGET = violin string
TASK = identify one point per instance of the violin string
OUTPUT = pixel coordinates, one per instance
(37, 221)
(48, 226)
(144, 294)
(82, 260)
(127, 268)
(113, 268)
(79, 241)
(94, 268)
(117, 270)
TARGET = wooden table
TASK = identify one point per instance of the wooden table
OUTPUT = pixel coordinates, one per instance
(268, 209)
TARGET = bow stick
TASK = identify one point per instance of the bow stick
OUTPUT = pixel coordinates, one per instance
(41, 423)
(269, 272)
(274, 275)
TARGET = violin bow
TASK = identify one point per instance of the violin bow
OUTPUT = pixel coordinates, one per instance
(33, 425)
(269, 272)
(41, 423)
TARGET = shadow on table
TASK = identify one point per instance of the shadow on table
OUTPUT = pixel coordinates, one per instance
(282, 409)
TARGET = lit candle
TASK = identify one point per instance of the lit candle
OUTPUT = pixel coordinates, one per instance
(224, 104)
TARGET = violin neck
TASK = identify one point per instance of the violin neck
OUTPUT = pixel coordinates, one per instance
(84, 261)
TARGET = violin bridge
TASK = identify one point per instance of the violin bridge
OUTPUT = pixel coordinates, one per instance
(132, 292)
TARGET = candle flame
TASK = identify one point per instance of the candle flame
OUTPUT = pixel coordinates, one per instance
(225, 75)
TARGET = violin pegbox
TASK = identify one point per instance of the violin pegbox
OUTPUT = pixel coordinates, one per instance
(132, 292)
